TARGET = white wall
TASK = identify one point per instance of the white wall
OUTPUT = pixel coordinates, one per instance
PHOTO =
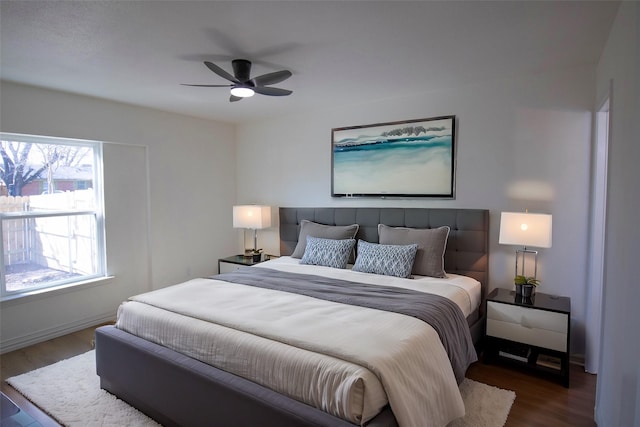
(618, 387)
(169, 188)
(522, 143)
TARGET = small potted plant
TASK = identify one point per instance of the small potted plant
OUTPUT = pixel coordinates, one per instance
(256, 254)
(525, 285)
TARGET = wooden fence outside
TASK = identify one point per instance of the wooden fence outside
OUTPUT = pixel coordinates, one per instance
(63, 243)
(15, 232)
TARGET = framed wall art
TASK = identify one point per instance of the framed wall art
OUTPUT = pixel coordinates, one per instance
(412, 158)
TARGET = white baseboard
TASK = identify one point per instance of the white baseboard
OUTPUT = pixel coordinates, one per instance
(17, 343)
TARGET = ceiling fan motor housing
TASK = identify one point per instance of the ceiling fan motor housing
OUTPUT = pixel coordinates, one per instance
(242, 70)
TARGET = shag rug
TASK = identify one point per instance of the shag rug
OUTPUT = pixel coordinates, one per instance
(70, 392)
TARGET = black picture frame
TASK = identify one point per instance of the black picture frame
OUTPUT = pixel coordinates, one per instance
(409, 158)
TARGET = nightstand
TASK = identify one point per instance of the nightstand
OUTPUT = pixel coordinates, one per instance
(533, 333)
(232, 263)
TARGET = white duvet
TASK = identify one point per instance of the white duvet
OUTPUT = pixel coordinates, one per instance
(346, 360)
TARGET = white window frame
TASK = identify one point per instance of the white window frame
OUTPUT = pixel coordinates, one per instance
(97, 212)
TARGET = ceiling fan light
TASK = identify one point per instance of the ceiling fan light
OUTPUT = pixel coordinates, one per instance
(242, 92)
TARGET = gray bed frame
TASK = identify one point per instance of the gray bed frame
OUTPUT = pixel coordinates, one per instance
(177, 390)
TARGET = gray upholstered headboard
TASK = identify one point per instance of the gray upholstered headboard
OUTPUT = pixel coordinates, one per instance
(467, 250)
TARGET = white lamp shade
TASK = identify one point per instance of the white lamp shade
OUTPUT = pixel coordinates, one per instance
(525, 229)
(251, 216)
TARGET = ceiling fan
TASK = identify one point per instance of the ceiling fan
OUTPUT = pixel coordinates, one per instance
(243, 86)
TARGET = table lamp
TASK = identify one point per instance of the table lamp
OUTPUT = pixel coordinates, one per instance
(525, 229)
(253, 217)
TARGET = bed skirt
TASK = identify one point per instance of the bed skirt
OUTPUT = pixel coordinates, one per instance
(176, 390)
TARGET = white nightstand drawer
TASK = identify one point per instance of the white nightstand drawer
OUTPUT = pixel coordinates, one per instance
(228, 267)
(526, 335)
(528, 317)
(541, 328)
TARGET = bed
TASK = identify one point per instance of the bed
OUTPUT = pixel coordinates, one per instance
(169, 380)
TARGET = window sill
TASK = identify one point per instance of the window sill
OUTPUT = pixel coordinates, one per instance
(37, 294)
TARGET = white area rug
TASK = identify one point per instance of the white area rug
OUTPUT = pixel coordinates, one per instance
(70, 392)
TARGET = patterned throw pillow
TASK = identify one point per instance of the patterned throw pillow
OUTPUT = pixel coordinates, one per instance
(389, 260)
(327, 252)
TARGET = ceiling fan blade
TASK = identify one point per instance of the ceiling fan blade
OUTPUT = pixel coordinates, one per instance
(271, 78)
(185, 84)
(271, 91)
(234, 98)
(219, 71)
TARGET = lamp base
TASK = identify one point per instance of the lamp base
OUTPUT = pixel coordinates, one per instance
(521, 254)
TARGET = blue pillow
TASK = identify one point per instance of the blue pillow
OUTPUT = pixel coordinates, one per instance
(389, 260)
(327, 252)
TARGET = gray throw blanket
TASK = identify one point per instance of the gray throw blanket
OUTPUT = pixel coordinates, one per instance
(439, 312)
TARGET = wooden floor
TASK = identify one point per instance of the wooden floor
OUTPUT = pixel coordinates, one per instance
(539, 401)
(39, 355)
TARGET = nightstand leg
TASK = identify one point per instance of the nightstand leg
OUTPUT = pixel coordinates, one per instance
(489, 352)
(565, 371)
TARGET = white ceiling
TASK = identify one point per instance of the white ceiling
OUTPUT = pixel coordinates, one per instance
(340, 52)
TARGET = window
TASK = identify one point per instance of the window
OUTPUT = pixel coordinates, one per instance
(52, 230)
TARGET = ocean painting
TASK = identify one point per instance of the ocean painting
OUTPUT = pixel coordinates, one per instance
(412, 158)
